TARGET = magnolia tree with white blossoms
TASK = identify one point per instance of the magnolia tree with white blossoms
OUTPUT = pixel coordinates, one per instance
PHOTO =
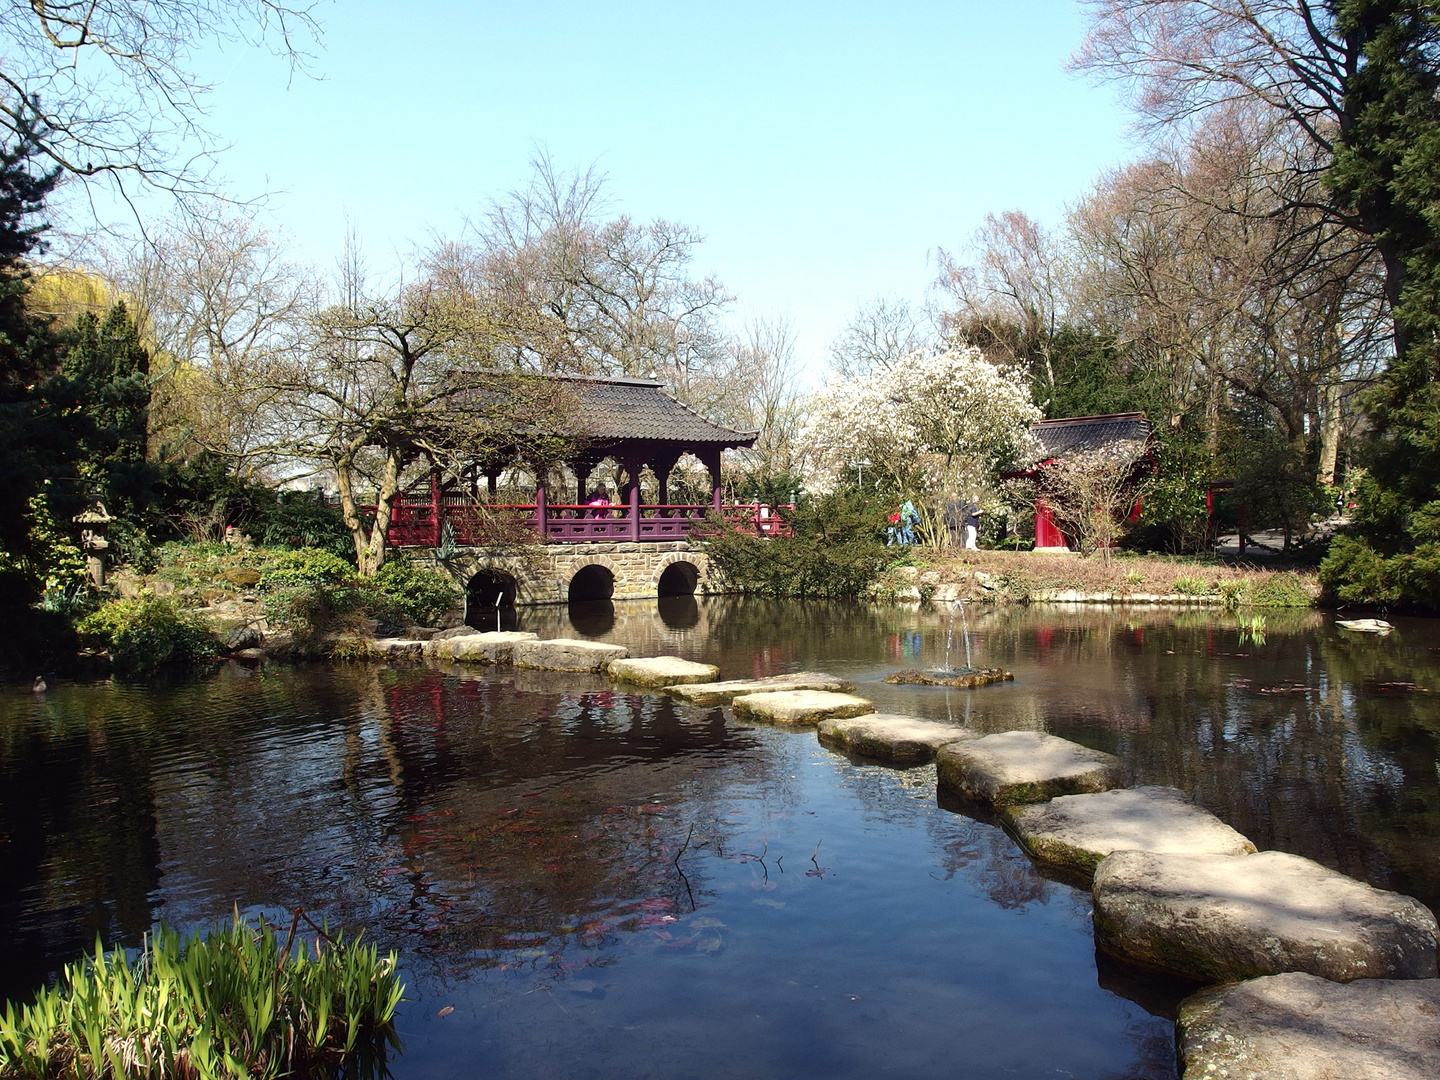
(931, 422)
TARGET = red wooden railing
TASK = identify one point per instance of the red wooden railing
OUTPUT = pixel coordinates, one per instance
(422, 524)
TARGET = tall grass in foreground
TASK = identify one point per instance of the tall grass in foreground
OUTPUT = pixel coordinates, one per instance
(241, 1001)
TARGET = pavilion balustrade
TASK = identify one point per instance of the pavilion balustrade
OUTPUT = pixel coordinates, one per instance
(422, 523)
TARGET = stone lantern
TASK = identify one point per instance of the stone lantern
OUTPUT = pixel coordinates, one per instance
(93, 523)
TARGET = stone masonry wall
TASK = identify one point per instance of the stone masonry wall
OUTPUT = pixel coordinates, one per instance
(545, 578)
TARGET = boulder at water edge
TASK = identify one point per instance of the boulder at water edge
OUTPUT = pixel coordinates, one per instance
(721, 693)
(491, 647)
(661, 671)
(1302, 1027)
(1024, 767)
(1077, 831)
(905, 740)
(1215, 918)
(566, 654)
(397, 648)
(799, 708)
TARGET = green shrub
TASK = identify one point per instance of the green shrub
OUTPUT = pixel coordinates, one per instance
(1355, 572)
(1191, 586)
(301, 520)
(305, 568)
(1233, 591)
(130, 546)
(424, 595)
(1279, 590)
(837, 552)
(148, 633)
(237, 1002)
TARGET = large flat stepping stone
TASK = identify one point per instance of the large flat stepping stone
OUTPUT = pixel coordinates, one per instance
(799, 707)
(904, 740)
(397, 648)
(661, 671)
(566, 654)
(1301, 1027)
(1217, 918)
(1077, 831)
(722, 693)
(1024, 767)
(490, 647)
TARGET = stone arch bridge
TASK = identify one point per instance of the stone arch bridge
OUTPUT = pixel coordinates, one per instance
(565, 573)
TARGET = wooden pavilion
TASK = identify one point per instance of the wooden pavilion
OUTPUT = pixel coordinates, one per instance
(633, 422)
(1074, 434)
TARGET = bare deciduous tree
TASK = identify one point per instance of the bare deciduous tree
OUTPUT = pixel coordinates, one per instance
(395, 377)
(580, 292)
(766, 361)
(880, 334)
(222, 304)
(1008, 296)
(108, 86)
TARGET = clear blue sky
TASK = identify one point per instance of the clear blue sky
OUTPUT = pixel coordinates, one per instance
(824, 150)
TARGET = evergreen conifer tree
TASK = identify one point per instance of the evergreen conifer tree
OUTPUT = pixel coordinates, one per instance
(1387, 173)
(28, 355)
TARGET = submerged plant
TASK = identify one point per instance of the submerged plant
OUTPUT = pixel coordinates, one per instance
(237, 1002)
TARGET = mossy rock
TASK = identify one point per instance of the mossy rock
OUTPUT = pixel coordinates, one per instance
(242, 577)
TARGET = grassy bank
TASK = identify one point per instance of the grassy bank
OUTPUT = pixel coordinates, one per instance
(1020, 577)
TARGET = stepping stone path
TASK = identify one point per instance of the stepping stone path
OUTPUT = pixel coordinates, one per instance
(492, 647)
(1300, 1027)
(566, 654)
(1024, 767)
(1077, 831)
(661, 671)
(799, 707)
(1216, 918)
(904, 740)
(722, 693)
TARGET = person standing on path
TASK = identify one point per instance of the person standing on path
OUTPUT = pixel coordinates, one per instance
(972, 522)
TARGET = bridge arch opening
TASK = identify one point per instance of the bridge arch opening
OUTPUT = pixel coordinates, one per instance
(490, 600)
(678, 579)
(593, 582)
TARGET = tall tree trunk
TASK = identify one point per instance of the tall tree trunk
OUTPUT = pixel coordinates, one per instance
(369, 544)
(1329, 432)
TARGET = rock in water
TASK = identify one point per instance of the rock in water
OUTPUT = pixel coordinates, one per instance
(963, 678)
(904, 740)
(721, 693)
(1215, 918)
(489, 647)
(1365, 626)
(1302, 1027)
(799, 707)
(1077, 831)
(661, 671)
(1024, 767)
(244, 637)
(565, 654)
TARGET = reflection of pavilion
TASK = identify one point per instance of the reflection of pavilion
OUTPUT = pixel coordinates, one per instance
(632, 422)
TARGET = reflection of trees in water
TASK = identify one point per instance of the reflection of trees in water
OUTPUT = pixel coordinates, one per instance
(525, 828)
(77, 833)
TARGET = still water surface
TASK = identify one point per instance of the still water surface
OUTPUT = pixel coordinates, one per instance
(608, 884)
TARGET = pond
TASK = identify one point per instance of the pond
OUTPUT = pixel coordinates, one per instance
(584, 882)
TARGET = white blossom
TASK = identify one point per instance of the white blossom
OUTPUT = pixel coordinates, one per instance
(954, 406)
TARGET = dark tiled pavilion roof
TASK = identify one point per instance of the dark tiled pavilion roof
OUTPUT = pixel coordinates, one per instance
(614, 410)
(1074, 433)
